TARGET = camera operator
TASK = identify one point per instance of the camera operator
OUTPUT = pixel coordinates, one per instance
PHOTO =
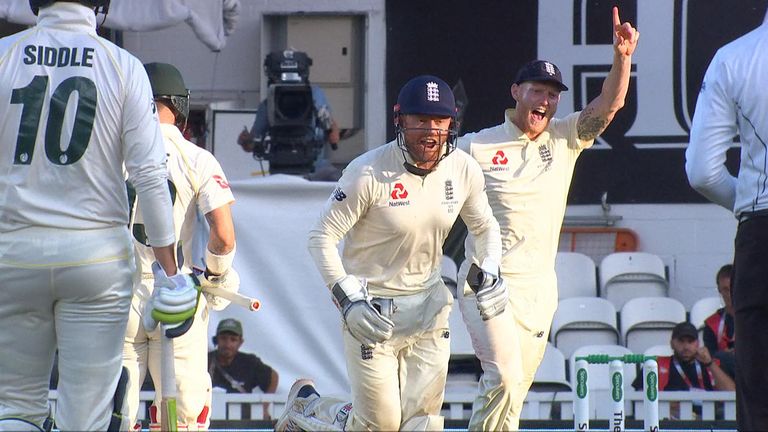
(290, 130)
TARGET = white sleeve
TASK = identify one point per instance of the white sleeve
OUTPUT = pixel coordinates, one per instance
(478, 216)
(347, 203)
(145, 158)
(712, 132)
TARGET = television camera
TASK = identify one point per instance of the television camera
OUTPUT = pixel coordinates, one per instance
(296, 129)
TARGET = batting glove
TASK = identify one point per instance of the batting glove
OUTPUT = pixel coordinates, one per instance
(229, 281)
(490, 290)
(173, 302)
(364, 322)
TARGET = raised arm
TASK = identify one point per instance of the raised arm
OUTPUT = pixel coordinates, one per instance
(599, 113)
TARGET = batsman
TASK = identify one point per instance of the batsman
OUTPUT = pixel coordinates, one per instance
(197, 184)
(528, 162)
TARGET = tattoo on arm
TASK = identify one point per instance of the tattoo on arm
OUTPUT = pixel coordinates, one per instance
(589, 126)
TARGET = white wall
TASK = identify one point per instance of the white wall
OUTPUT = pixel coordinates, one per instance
(693, 240)
(234, 74)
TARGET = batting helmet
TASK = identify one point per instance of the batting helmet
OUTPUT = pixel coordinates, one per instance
(99, 5)
(167, 84)
(426, 95)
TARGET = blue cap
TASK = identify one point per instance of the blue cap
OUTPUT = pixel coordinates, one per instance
(542, 71)
(426, 95)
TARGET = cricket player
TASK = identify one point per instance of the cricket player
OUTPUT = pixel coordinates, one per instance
(75, 110)
(528, 163)
(198, 184)
(394, 207)
(734, 101)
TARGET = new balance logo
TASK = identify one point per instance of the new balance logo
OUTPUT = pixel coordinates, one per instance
(339, 194)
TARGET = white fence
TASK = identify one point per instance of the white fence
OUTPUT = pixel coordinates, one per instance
(458, 404)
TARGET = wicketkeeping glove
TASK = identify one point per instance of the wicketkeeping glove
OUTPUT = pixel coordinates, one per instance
(229, 281)
(364, 322)
(490, 290)
(173, 302)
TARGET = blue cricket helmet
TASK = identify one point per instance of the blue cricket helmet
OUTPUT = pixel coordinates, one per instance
(426, 95)
(431, 96)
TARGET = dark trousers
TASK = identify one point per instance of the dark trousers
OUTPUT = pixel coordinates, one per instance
(750, 301)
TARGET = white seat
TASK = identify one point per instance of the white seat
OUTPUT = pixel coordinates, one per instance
(449, 272)
(576, 275)
(461, 344)
(627, 275)
(550, 376)
(703, 308)
(582, 321)
(648, 321)
(659, 350)
(599, 380)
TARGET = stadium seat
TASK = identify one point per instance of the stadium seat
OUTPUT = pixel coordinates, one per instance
(550, 376)
(658, 350)
(599, 380)
(461, 344)
(582, 321)
(627, 275)
(703, 308)
(463, 368)
(449, 272)
(648, 321)
(576, 275)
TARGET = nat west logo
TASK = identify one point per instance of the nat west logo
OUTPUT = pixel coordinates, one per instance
(500, 158)
(399, 195)
(665, 78)
(499, 161)
(221, 181)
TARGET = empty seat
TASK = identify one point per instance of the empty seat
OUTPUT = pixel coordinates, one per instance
(703, 308)
(449, 272)
(582, 321)
(599, 380)
(550, 376)
(576, 275)
(463, 368)
(659, 350)
(648, 321)
(627, 275)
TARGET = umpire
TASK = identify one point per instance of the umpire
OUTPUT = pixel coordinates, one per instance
(734, 101)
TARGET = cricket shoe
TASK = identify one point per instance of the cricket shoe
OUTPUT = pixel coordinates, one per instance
(298, 396)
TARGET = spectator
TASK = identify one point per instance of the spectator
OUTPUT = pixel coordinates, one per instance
(719, 335)
(235, 371)
(325, 131)
(690, 366)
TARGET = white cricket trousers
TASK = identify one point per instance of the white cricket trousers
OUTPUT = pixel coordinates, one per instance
(401, 379)
(190, 352)
(67, 290)
(509, 346)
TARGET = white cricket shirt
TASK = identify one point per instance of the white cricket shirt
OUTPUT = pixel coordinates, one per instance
(527, 184)
(733, 101)
(394, 223)
(75, 107)
(197, 183)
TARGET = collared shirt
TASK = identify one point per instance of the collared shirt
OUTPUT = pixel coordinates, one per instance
(394, 222)
(733, 101)
(527, 184)
(76, 108)
(197, 183)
